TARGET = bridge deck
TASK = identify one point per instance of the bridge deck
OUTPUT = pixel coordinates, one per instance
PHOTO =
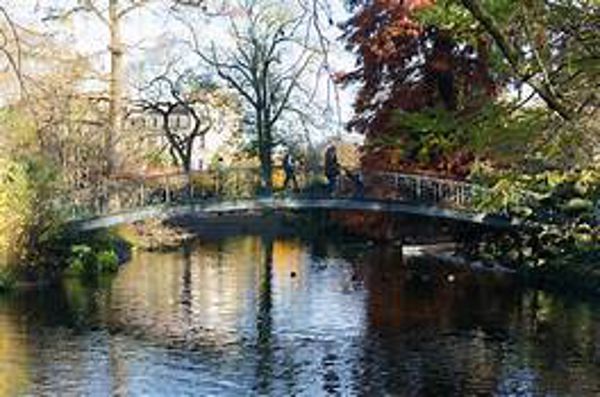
(255, 205)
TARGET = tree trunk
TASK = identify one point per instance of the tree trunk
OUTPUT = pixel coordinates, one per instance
(266, 166)
(116, 86)
(267, 169)
(264, 152)
(188, 154)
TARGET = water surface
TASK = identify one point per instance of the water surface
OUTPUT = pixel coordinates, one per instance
(261, 316)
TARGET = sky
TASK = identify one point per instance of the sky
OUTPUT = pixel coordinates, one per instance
(152, 36)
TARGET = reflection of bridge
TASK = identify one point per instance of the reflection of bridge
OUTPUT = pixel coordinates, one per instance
(239, 190)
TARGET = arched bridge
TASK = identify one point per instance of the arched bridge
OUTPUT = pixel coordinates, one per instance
(132, 199)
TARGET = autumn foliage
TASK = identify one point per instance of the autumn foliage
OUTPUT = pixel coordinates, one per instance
(404, 66)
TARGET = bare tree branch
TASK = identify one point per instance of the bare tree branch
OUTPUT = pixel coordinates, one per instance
(14, 55)
(181, 142)
(134, 6)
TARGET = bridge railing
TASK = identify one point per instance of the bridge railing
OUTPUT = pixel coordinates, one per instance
(129, 193)
(419, 189)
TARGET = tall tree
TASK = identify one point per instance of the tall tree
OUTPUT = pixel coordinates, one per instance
(202, 104)
(546, 51)
(265, 65)
(111, 13)
(491, 63)
(67, 124)
(404, 65)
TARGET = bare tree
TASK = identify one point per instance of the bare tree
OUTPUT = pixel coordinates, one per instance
(166, 96)
(271, 53)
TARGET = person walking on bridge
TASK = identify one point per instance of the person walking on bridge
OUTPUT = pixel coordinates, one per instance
(289, 168)
(332, 168)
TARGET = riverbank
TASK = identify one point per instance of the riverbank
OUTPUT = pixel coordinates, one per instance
(154, 235)
(572, 274)
(570, 270)
(90, 254)
(578, 276)
(69, 254)
(567, 261)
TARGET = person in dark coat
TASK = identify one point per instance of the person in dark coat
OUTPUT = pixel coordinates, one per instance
(289, 168)
(332, 168)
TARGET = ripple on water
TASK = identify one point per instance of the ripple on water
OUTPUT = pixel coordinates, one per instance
(226, 319)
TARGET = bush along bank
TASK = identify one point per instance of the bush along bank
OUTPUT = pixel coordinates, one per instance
(70, 254)
(30, 225)
(558, 246)
(94, 254)
(35, 245)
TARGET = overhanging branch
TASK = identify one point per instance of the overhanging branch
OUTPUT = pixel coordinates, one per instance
(512, 56)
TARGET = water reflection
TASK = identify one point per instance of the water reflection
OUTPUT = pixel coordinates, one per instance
(268, 316)
(14, 357)
(264, 320)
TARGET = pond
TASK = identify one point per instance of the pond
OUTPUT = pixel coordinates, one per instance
(252, 315)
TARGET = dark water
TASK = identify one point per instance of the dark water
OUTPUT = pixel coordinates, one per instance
(227, 318)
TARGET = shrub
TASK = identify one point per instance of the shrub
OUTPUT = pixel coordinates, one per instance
(7, 279)
(560, 242)
(29, 222)
(15, 210)
(107, 261)
(82, 261)
(95, 257)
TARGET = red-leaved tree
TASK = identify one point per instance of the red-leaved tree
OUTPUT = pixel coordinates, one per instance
(404, 66)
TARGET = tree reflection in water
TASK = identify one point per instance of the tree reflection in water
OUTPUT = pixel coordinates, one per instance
(264, 319)
(226, 317)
